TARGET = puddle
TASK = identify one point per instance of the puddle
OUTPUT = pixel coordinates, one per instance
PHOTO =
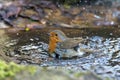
(33, 50)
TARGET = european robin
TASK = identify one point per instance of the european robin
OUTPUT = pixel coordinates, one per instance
(63, 46)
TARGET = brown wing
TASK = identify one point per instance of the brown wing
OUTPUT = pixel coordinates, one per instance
(70, 43)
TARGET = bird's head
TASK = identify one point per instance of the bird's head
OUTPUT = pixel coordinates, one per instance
(60, 35)
(54, 37)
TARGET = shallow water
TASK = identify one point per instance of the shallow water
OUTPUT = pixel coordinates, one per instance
(105, 62)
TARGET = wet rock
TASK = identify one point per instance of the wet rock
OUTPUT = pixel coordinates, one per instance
(36, 25)
(3, 25)
(43, 4)
(12, 10)
(30, 14)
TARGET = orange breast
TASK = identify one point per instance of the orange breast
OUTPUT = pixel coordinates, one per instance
(53, 40)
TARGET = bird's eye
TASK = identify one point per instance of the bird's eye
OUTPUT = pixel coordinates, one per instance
(56, 35)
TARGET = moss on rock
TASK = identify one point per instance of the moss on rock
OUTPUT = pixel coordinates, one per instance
(10, 69)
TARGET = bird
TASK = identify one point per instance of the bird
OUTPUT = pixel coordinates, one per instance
(65, 47)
